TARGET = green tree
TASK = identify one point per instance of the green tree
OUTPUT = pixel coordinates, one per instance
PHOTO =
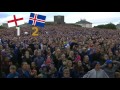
(107, 26)
(0, 27)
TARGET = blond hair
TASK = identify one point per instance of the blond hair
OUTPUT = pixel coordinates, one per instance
(13, 67)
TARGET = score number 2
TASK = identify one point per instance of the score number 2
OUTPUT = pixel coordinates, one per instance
(35, 33)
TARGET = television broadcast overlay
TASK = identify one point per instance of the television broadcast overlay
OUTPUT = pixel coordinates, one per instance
(59, 44)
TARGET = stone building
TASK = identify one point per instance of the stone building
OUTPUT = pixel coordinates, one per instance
(118, 26)
(5, 25)
(59, 19)
(84, 23)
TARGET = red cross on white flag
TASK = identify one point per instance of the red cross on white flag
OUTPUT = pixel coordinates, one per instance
(15, 21)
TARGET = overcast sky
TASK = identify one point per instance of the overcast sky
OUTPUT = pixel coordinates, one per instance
(70, 17)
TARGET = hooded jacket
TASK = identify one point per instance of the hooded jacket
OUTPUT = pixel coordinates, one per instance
(111, 72)
(96, 74)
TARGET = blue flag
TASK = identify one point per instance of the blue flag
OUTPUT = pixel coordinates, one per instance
(37, 20)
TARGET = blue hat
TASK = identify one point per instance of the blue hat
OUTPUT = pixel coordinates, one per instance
(109, 62)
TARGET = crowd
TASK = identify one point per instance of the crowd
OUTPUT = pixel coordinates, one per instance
(60, 51)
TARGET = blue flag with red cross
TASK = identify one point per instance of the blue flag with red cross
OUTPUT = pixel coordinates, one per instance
(37, 20)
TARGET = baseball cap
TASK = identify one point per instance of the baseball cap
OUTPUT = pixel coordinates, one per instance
(109, 62)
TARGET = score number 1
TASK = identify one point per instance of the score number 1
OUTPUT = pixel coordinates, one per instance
(35, 33)
(18, 31)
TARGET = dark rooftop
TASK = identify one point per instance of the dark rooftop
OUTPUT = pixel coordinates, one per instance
(83, 22)
(58, 15)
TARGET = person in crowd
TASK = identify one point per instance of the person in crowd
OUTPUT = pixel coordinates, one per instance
(26, 57)
(70, 67)
(105, 57)
(111, 57)
(117, 56)
(62, 67)
(56, 57)
(110, 67)
(48, 60)
(97, 72)
(33, 73)
(39, 60)
(34, 67)
(24, 72)
(67, 52)
(5, 66)
(71, 56)
(77, 57)
(13, 73)
(66, 73)
(78, 70)
(52, 73)
(86, 64)
(117, 75)
(44, 70)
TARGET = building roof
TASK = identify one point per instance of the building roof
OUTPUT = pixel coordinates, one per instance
(83, 22)
(59, 16)
(118, 24)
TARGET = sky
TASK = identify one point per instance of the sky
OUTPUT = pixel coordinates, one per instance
(70, 17)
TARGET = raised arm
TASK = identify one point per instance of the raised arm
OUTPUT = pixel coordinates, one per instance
(87, 75)
(104, 65)
(117, 64)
